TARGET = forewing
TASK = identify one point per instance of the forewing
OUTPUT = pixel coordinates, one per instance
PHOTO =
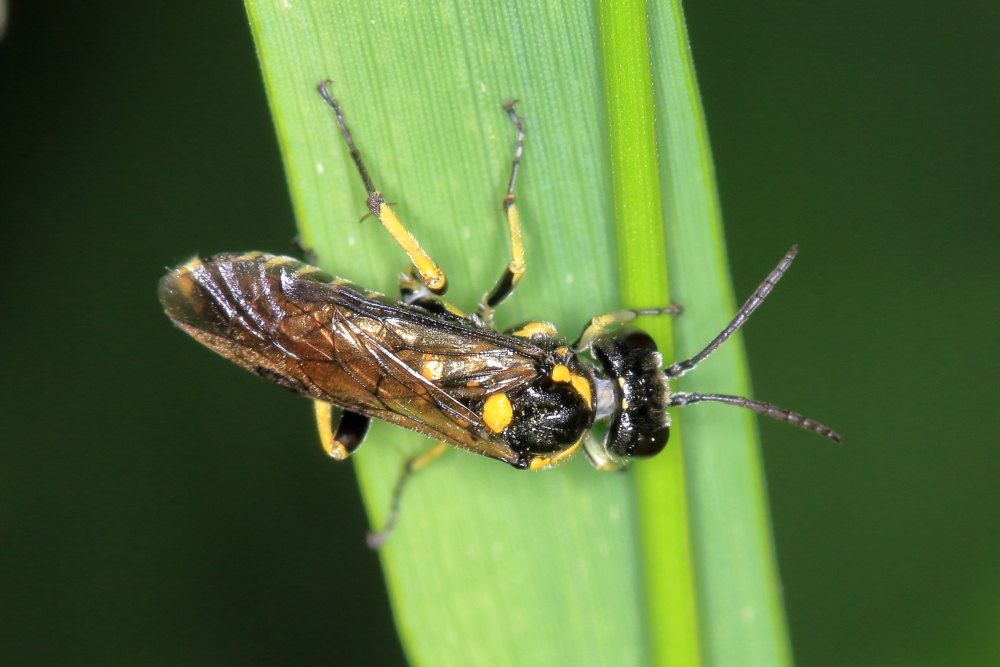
(327, 339)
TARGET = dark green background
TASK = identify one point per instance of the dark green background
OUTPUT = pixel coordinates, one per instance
(157, 506)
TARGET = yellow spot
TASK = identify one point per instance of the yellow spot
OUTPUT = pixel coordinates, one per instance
(583, 388)
(535, 329)
(562, 374)
(497, 412)
(254, 254)
(279, 261)
(306, 270)
(624, 404)
(562, 350)
(540, 462)
(432, 369)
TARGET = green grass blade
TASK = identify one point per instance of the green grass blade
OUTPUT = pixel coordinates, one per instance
(741, 615)
(668, 570)
(490, 565)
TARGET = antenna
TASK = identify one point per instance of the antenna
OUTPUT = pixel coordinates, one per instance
(679, 368)
(781, 414)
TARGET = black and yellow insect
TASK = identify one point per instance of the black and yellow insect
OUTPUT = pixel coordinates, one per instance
(525, 396)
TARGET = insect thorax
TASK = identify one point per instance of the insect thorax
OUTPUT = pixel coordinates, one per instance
(553, 412)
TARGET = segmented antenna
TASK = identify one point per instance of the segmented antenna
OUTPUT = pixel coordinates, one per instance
(687, 398)
(679, 368)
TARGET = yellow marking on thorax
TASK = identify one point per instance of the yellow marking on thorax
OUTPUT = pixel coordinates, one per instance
(583, 388)
(534, 329)
(253, 254)
(540, 462)
(497, 412)
(560, 373)
(563, 374)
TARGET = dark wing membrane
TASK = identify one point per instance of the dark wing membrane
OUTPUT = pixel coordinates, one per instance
(327, 339)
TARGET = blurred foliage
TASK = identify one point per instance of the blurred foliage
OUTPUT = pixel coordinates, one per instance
(156, 507)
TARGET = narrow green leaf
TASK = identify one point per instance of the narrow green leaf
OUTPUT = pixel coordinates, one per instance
(490, 565)
(741, 616)
(666, 545)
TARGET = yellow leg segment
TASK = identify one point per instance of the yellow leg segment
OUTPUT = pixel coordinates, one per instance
(600, 323)
(432, 276)
(324, 422)
(430, 273)
(516, 266)
(350, 432)
(512, 275)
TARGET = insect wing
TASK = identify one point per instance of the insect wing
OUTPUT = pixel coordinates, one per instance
(328, 340)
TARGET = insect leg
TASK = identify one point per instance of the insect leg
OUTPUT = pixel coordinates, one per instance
(414, 292)
(413, 464)
(349, 433)
(432, 276)
(512, 274)
(598, 456)
(599, 324)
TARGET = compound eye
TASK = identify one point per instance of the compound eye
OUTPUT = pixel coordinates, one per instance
(652, 444)
(635, 338)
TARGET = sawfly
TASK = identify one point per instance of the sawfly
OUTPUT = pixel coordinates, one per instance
(525, 395)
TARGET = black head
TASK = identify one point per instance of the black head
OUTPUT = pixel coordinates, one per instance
(640, 424)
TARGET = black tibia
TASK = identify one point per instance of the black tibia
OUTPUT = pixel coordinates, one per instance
(501, 290)
(351, 430)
